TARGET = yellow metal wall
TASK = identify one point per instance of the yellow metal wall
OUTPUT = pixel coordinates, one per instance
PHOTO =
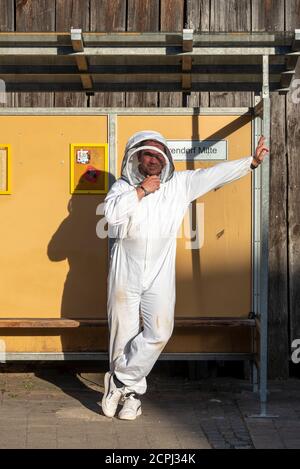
(54, 265)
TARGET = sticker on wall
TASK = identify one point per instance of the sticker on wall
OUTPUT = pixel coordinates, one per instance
(4, 169)
(83, 156)
(89, 168)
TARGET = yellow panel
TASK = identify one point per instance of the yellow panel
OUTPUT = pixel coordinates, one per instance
(214, 280)
(79, 340)
(52, 262)
(5, 169)
(211, 340)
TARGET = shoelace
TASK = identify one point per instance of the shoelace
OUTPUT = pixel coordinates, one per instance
(111, 393)
(130, 395)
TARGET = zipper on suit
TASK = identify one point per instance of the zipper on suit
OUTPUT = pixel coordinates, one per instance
(147, 228)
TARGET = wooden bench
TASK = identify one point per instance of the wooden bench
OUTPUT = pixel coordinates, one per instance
(180, 322)
(65, 323)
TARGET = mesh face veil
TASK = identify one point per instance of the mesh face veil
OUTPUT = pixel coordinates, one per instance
(130, 164)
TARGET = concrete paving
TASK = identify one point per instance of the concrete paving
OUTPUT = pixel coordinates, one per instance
(59, 408)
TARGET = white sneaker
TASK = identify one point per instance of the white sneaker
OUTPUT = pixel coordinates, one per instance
(112, 395)
(132, 408)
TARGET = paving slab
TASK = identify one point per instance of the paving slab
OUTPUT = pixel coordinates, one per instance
(62, 409)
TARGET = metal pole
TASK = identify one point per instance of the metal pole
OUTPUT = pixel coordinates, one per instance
(112, 168)
(265, 190)
(256, 232)
(264, 248)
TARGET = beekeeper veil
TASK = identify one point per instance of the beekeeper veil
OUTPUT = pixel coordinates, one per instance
(137, 142)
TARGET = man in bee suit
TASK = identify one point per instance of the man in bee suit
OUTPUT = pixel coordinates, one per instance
(144, 210)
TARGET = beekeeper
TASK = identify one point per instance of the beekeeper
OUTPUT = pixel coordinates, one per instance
(144, 210)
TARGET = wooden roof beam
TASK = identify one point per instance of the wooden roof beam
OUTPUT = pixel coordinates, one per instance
(81, 59)
(187, 46)
(286, 78)
(296, 42)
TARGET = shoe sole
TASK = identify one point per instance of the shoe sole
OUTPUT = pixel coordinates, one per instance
(139, 412)
(106, 391)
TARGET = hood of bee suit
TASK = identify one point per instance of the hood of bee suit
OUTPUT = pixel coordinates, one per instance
(130, 164)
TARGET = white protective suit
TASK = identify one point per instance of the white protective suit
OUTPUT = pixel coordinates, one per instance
(141, 278)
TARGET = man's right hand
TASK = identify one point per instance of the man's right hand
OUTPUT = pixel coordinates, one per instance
(150, 183)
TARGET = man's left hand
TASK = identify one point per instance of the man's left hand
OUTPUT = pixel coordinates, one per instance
(260, 152)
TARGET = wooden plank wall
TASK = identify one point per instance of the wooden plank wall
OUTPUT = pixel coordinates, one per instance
(293, 186)
(270, 16)
(202, 15)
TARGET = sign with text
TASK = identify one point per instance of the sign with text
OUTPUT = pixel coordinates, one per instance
(198, 150)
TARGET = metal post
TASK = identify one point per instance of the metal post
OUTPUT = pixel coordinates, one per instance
(112, 167)
(256, 216)
(265, 173)
(264, 249)
(256, 233)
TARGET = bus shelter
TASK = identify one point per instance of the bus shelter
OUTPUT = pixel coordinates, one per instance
(48, 312)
